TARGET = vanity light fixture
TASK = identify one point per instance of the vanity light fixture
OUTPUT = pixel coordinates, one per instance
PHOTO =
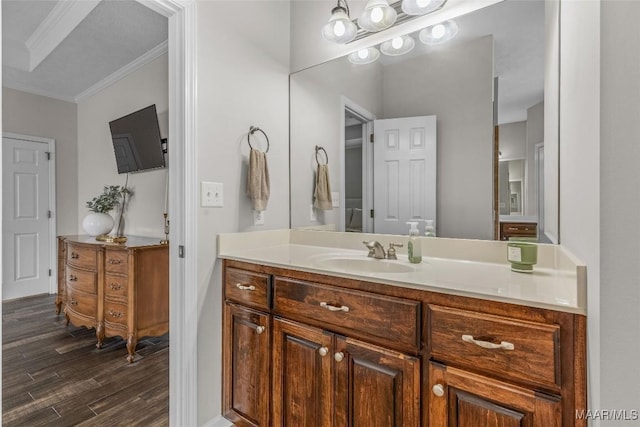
(439, 33)
(377, 16)
(340, 28)
(421, 7)
(364, 56)
(398, 45)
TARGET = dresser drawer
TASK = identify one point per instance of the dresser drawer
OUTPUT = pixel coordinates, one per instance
(81, 280)
(504, 347)
(115, 286)
(116, 262)
(115, 312)
(374, 315)
(247, 287)
(82, 256)
(81, 303)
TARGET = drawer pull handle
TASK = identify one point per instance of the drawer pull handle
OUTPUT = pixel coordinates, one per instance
(438, 390)
(260, 330)
(245, 287)
(115, 261)
(115, 286)
(333, 307)
(75, 255)
(73, 278)
(115, 314)
(339, 356)
(504, 345)
(323, 351)
(73, 302)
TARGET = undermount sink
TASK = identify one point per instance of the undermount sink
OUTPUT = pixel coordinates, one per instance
(363, 265)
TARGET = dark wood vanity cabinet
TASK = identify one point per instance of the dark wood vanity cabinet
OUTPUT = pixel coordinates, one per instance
(303, 349)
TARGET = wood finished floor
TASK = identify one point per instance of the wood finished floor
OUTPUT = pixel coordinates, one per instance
(52, 375)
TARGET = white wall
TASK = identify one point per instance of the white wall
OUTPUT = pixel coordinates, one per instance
(619, 288)
(242, 75)
(513, 140)
(460, 95)
(36, 115)
(96, 160)
(535, 135)
(580, 185)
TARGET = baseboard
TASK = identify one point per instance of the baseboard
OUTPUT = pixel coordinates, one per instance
(218, 421)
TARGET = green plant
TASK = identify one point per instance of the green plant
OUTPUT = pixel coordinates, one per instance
(110, 198)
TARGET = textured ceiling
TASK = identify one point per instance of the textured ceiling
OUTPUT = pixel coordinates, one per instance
(113, 35)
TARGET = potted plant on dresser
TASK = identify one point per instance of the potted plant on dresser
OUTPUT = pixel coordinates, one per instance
(98, 221)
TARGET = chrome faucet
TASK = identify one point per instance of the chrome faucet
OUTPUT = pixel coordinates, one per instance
(376, 250)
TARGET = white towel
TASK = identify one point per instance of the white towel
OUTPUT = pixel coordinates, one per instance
(322, 193)
(258, 180)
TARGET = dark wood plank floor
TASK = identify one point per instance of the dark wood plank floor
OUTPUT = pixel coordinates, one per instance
(52, 375)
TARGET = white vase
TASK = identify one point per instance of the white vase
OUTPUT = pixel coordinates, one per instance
(97, 223)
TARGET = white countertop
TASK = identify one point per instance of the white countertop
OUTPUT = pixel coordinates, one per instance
(558, 282)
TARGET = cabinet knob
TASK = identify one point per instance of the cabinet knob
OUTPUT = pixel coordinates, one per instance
(74, 255)
(72, 278)
(245, 287)
(330, 307)
(323, 351)
(115, 261)
(260, 329)
(438, 390)
(339, 356)
(73, 302)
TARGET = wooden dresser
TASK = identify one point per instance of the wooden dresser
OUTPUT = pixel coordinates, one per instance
(518, 229)
(118, 289)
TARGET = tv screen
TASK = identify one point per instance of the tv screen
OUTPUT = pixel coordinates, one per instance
(136, 141)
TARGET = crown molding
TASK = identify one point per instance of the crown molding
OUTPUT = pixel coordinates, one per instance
(60, 22)
(132, 66)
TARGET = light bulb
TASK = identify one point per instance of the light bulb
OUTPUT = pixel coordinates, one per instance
(376, 14)
(363, 53)
(423, 3)
(339, 29)
(397, 43)
(438, 31)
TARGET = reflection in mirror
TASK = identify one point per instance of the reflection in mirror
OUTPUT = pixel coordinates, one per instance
(439, 168)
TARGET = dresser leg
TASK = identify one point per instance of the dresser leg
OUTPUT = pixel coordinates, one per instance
(100, 334)
(131, 347)
(58, 306)
(67, 316)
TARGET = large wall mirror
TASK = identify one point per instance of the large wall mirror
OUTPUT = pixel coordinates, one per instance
(419, 136)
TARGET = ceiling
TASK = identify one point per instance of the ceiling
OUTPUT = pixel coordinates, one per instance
(69, 50)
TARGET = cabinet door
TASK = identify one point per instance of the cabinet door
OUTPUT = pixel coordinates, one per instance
(375, 387)
(302, 376)
(460, 398)
(246, 366)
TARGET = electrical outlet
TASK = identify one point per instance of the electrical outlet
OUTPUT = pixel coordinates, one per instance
(258, 217)
(211, 194)
(335, 199)
(312, 214)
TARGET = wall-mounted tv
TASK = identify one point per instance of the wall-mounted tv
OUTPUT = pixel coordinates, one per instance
(136, 141)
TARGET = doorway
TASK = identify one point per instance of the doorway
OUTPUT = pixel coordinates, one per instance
(28, 227)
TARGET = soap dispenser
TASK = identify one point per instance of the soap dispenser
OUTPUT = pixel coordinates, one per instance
(429, 228)
(414, 246)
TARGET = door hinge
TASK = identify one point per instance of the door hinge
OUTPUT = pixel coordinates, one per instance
(50, 272)
(371, 138)
(48, 153)
(181, 251)
(49, 214)
(371, 213)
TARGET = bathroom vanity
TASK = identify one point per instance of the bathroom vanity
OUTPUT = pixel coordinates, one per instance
(312, 340)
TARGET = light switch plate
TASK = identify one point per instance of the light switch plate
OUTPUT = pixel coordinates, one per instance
(335, 199)
(211, 194)
(258, 217)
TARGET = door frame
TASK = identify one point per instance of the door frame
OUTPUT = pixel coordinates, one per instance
(53, 245)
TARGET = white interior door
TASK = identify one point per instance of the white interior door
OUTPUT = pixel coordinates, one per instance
(404, 172)
(25, 224)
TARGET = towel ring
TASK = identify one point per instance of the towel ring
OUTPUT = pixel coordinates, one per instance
(253, 129)
(318, 148)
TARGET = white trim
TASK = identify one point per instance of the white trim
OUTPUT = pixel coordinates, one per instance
(132, 66)
(218, 421)
(61, 21)
(183, 213)
(53, 245)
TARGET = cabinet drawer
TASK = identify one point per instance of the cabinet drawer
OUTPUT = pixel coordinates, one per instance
(116, 262)
(247, 287)
(82, 256)
(81, 280)
(509, 348)
(115, 286)
(115, 312)
(390, 318)
(81, 303)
